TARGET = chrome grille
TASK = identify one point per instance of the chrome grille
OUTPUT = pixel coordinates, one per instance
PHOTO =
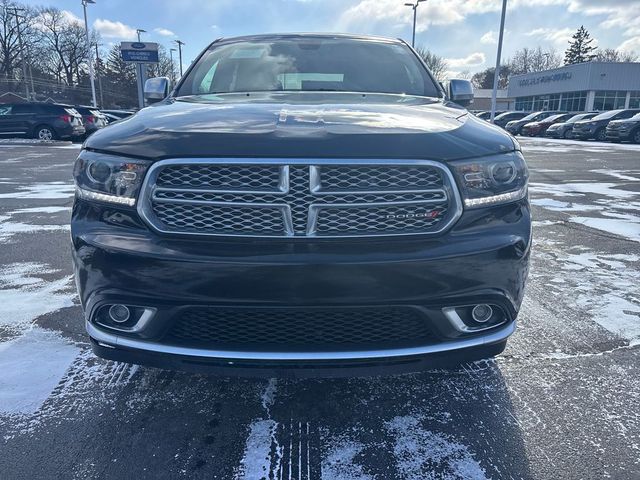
(327, 198)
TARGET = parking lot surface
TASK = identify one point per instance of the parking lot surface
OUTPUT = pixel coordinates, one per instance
(563, 401)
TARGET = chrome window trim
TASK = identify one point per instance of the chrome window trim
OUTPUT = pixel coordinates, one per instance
(147, 190)
(109, 339)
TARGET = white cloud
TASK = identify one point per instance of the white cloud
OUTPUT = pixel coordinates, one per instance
(559, 37)
(71, 18)
(164, 32)
(630, 45)
(489, 38)
(109, 29)
(473, 60)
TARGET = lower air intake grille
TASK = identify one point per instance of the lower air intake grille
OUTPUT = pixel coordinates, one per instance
(291, 328)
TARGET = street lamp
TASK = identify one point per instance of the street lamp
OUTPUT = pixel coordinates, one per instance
(89, 56)
(140, 73)
(496, 72)
(139, 31)
(180, 44)
(415, 8)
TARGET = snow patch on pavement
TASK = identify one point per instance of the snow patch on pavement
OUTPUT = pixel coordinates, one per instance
(559, 206)
(50, 190)
(25, 295)
(581, 188)
(422, 454)
(340, 461)
(31, 367)
(620, 174)
(10, 228)
(628, 226)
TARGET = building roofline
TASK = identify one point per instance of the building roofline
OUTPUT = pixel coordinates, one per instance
(573, 65)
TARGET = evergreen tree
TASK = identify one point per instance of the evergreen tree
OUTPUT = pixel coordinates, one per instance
(580, 49)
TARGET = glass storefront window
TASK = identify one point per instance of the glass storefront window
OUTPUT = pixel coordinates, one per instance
(609, 100)
(634, 100)
(566, 102)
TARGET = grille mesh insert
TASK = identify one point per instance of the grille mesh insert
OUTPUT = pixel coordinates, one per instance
(291, 328)
(298, 200)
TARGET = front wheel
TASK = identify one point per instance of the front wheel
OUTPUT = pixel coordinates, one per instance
(601, 135)
(636, 136)
(44, 132)
(566, 134)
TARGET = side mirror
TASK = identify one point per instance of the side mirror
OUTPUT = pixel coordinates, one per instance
(156, 89)
(461, 92)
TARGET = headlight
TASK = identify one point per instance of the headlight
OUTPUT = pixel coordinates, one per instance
(108, 178)
(492, 180)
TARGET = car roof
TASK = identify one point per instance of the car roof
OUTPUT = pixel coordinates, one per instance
(294, 36)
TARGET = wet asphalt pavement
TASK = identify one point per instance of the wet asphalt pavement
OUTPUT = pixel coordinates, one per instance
(563, 401)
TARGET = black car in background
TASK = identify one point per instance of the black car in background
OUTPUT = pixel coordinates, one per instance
(115, 115)
(45, 121)
(627, 129)
(92, 118)
(487, 115)
(506, 117)
(596, 127)
(565, 129)
(515, 126)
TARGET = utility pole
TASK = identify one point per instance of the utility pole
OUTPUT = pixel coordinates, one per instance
(496, 76)
(22, 59)
(89, 59)
(99, 76)
(414, 6)
(180, 44)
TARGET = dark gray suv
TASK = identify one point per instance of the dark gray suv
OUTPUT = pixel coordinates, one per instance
(301, 203)
(45, 121)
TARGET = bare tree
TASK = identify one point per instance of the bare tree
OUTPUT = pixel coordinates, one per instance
(437, 65)
(15, 21)
(66, 42)
(527, 60)
(613, 55)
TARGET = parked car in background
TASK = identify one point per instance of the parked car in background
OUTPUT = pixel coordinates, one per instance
(624, 130)
(565, 129)
(487, 115)
(506, 117)
(596, 127)
(514, 127)
(117, 114)
(537, 129)
(45, 121)
(92, 119)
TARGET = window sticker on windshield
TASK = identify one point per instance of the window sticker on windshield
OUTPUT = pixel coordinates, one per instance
(249, 52)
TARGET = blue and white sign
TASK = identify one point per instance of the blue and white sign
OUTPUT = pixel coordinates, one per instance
(139, 52)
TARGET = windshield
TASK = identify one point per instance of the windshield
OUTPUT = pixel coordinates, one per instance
(532, 116)
(635, 117)
(605, 115)
(309, 64)
(553, 118)
(582, 116)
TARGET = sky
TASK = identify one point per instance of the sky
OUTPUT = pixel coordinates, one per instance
(463, 31)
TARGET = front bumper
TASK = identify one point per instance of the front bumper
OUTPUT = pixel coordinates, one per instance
(484, 258)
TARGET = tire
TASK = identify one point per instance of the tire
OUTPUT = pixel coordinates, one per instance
(44, 132)
(601, 135)
(566, 135)
(635, 136)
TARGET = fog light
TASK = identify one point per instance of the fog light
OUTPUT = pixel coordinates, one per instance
(119, 313)
(482, 313)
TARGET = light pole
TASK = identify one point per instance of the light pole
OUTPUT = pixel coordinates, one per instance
(98, 74)
(89, 59)
(140, 73)
(173, 68)
(180, 44)
(496, 75)
(415, 10)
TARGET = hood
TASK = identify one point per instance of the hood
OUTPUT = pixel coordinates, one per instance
(338, 126)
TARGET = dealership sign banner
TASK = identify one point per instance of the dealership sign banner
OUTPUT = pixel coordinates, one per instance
(555, 77)
(139, 52)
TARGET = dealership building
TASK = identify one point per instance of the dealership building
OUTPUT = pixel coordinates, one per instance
(584, 87)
